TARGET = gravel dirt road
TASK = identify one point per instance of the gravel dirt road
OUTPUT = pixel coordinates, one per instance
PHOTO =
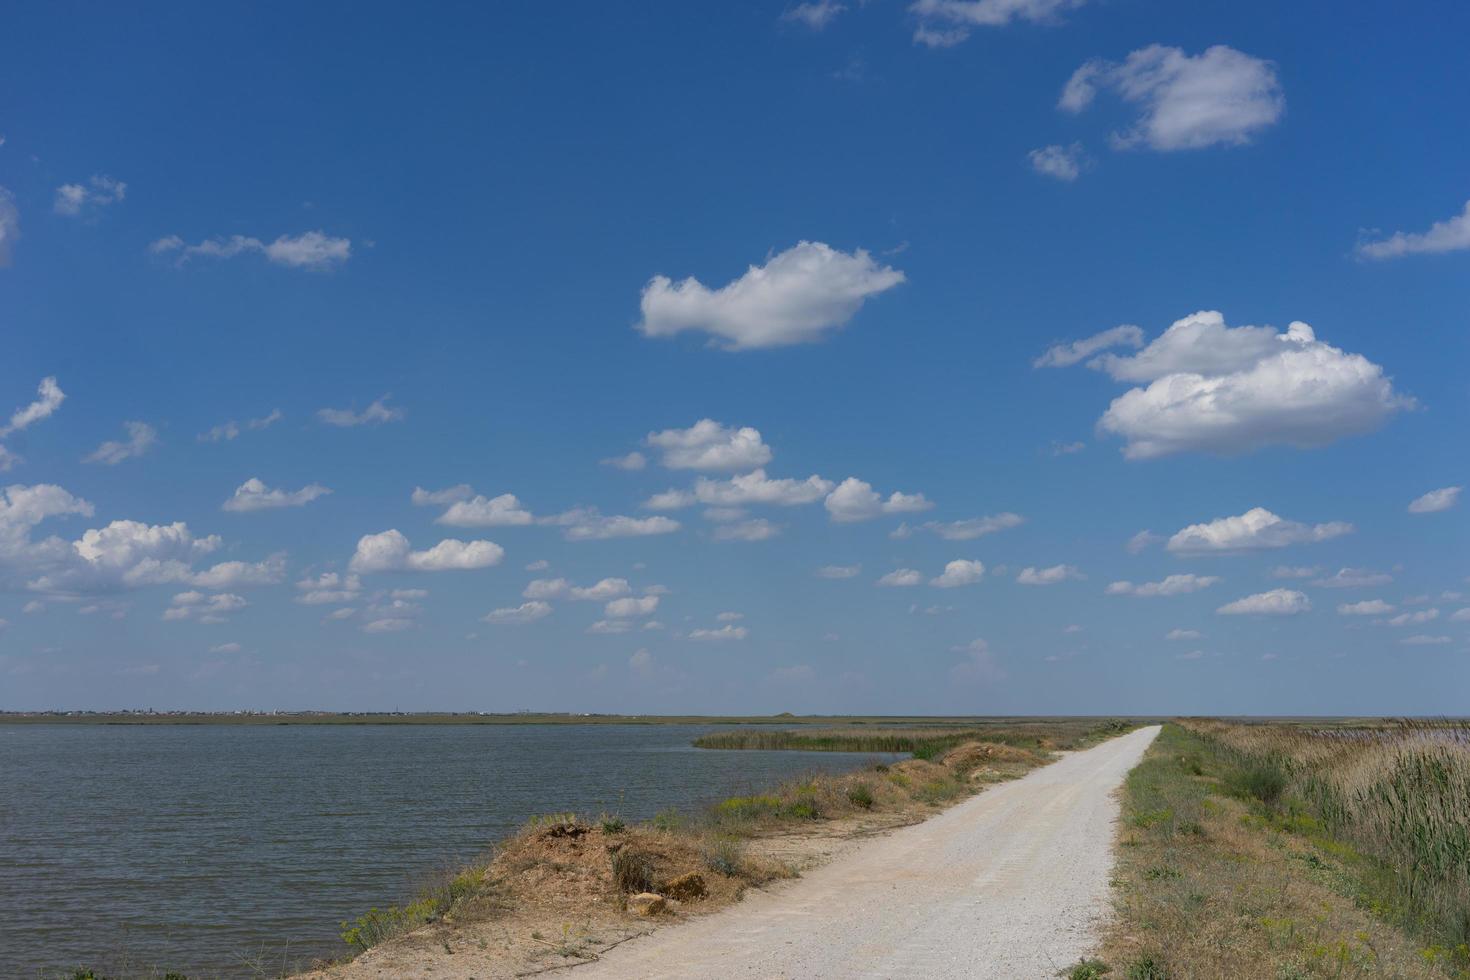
(1011, 884)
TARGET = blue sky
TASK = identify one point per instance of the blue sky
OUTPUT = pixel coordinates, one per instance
(875, 292)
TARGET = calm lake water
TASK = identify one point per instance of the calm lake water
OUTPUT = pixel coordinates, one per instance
(200, 849)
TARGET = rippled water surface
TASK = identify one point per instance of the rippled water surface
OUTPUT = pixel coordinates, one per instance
(199, 849)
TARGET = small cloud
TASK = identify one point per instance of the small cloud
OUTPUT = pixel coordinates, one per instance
(100, 191)
(631, 461)
(375, 414)
(815, 14)
(839, 571)
(1180, 634)
(254, 495)
(1276, 602)
(526, 612)
(723, 634)
(902, 577)
(1064, 163)
(141, 438)
(1435, 501)
(1048, 576)
(312, 250)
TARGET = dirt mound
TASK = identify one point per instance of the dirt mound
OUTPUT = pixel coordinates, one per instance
(969, 756)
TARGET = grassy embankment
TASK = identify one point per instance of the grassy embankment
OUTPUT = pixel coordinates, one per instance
(1292, 851)
(587, 872)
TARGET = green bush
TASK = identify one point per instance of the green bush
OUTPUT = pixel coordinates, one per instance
(859, 795)
(1147, 968)
(1086, 969)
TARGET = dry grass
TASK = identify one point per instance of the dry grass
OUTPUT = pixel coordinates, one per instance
(1219, 878)
(927, 741)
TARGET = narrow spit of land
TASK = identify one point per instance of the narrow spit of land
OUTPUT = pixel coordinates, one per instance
(1010, 883)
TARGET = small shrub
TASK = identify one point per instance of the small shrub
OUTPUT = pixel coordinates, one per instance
(859, 795)
(612, 824)
(804, 807)
(1147, 968)
(669, 819)
(1086, 969)
(632, 871)
(1161, 873)
(1264, 781)
(723, 854)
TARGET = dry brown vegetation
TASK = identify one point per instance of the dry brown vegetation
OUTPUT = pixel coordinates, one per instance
(1229, 866)
(566, 888)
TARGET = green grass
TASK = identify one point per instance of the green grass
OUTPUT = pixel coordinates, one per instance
(927, 742)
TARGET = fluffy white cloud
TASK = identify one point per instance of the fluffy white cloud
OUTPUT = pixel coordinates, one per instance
(439, 498)
(586, 524)
(141, 438)
(756, 488)
(796, 297)
(1277, 602)
(329, 588)
(390, 551)
(9, 227)
(1171, 585)
(1436, 500)
(1186, 101)
(1062, 162)
(724, 633)
(1048, 576)
(1213, 388)
(902, 577)
(839, 571)
(98, 192)
(855, 500)
(312, 250)
(1368, 607)
(1352, 578)
(255, 495)
(49, 397)
(945, 23)
(204, 608)
(560, 588)
(708, 445)
(758, 529)
(1065, 355)
(479, 511)
(226, 431)
(375, 414)
(630, 607)
(1255, 530)
(815, 14)
(961, 571)
(526, 612)
(239, 574)
(1461, 615)
(1450, 235)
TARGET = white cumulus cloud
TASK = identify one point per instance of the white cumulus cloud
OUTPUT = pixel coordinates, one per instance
(1180, 584)
(902, 577)
(855, 500)
(945, 23)
(727, 632)
(390, 551)
(49, 397)
(708, 445)
(1207, 387)
(253, 494)
(798, 296)
(502, 511)
(1450, 235)
(375, 414)
(101, 190)
(1368, 607)
(1276, 602)
(1256, 530)
(961, 571)
(1062, 162)
(1186, 101)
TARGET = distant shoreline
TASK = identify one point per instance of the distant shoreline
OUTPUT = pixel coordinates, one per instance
(483, 718)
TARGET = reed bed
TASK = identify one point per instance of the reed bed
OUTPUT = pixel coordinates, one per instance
(1398, 793)
(926, 742)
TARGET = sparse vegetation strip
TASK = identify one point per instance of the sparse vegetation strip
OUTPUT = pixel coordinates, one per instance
(1291, 851)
